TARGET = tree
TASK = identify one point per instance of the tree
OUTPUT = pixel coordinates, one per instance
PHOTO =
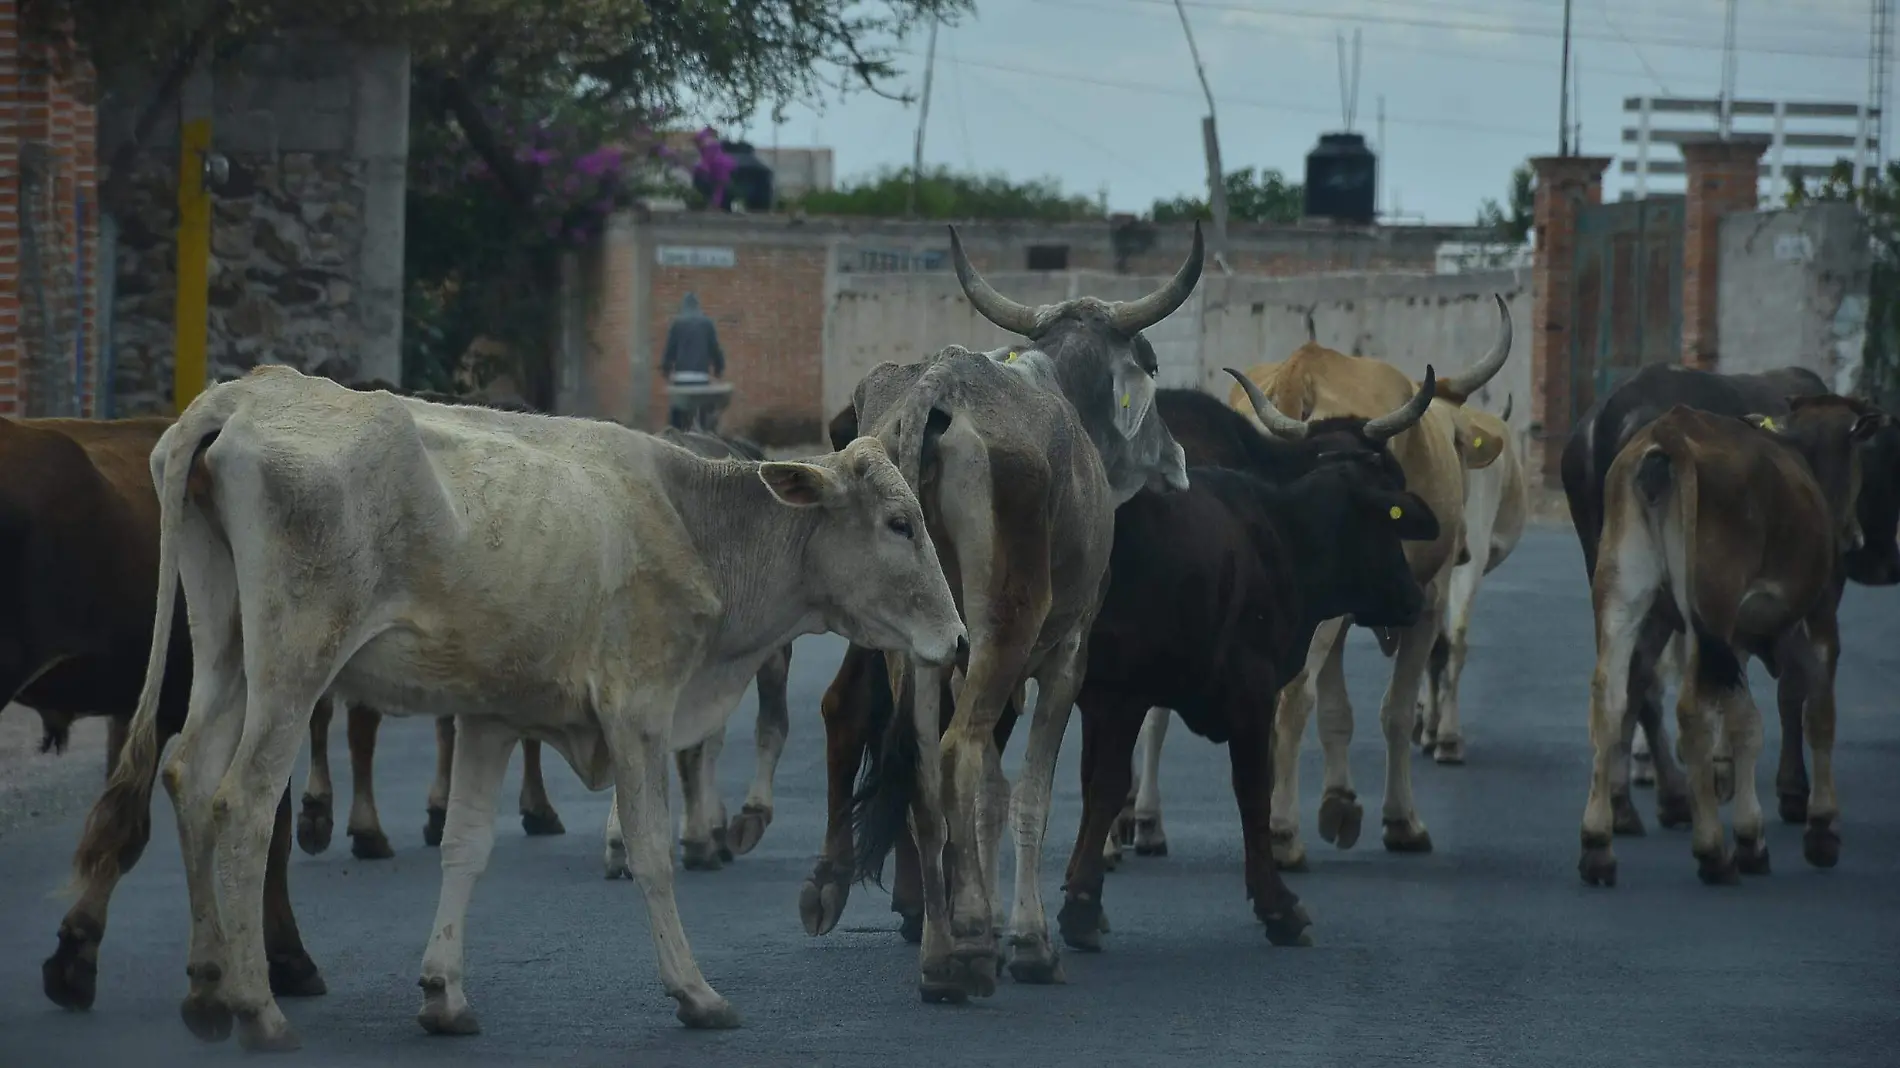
(1267, 197)
(1878, 198)
(943, 194)
(1514, 225)
(481, 67)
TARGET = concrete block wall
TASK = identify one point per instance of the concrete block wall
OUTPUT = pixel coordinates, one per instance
(1793, 289)
(1723, 177)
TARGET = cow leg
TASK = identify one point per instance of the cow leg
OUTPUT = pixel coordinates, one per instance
(940, 975)
(846, 714)
(482, 751)
(614, 849)
(1446, 731)
(1651, 657)
(1405, 831)
(1111, 725)
(317, 819)
(1791, 776)
(1340, 813)
(1250, 754)
(292, 973)
(1036, 958)
(1672, 780)
(1642, 771)
(439, 788)
(1710, 671)
(1425, 727)
(774, 723)
(70, 976)
(1622, 593)
(701, 848)
(1150, 839)
(1821, 845)
(367, 840)
(1741, 728)
(538, 817)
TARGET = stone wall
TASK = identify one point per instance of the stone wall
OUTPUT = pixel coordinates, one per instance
(1794, 288)
(306, 234)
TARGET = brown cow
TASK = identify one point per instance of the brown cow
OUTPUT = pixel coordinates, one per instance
(79, 533)
(1731, 531)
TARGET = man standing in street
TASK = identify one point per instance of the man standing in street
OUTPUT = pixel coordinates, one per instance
(693, 357)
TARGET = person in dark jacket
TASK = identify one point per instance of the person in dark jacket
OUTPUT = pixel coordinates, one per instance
(693, 357)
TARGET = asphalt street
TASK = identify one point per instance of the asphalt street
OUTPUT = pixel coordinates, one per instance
(1490, 951)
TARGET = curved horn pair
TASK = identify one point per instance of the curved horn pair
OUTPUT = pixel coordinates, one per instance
(1473, 378)
(1286, 428)
(1126, 316)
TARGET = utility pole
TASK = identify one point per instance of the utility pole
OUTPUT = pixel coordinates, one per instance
(1385, 160)
(923, 116)
(1727, 115)
(1210, 142)
(1563, 99)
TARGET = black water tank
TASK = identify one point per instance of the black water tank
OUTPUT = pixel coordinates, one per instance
(751, 182)
(1341, 179)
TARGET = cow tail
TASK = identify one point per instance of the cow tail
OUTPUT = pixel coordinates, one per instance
(120, 820)
(1666, 483)
(881, 803)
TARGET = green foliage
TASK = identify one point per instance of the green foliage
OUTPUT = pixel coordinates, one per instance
(1267, 197)
(1513, 225)
(1878, 198)
(943, 194)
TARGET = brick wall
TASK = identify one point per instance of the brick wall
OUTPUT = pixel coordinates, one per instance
(1565, 185)
(1722, 176)
(48, 227)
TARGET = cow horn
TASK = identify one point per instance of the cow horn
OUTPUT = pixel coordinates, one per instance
(1469, 382)
(997, 308)
(1393, 423)
(1278, 423)
(1133, 315)
(1508, 398)
(1312, 336)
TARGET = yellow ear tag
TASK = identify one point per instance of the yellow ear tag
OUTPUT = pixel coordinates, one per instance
(1124, 400)
(1397, 512)
(1476, 443)
(1767, 423)
(1011, 356)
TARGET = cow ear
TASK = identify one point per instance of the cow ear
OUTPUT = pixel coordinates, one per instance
(1478, 447)
(843, 428)
(801, 485)
(1867, 426)
(1134, 394)
(1409, 514)
(1762, 422)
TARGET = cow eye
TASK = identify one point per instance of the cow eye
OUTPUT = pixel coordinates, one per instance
(899, 526)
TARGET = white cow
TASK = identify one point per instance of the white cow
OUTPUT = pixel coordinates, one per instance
(568, 580)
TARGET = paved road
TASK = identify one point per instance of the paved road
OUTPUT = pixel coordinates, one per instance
(1488, 952)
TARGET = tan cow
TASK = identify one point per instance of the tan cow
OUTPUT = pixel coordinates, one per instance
(1497, 500)
(1312, 385)
(1730, 530)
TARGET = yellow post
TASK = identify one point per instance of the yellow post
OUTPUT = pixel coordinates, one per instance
(189, 318)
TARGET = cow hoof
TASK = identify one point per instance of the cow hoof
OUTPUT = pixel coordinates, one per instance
(981, 966)
(1403, 836)
(437, 1016)
(1111, 861)
(1081, 923)
(1794, 808)
(266, 1031)
(700, 856)
(1598, 863)
(207, 1017)
(1724, 780)
(1289, 854)
(296, 977)
(70, 977)
(1643, 771)
(1450, 752)
(717, 1015)
(1150, 839)
(314, 825)
(1718, 869)
(1821, 845)
(1340, 817)
(370, 845)
(1672, 811)
(748, 827)
(721, 845)
(940, 982)
(1125, 826)
(542, 824)
(1292, 927)
(1751, 855)
(1035, 961)
(432, 830)
(614, 860)
(910, 927)
(821, 900)
(1625, 820)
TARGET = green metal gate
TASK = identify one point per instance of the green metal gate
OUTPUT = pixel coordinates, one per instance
(1627, 279)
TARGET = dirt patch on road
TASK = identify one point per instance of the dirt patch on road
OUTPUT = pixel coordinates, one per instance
(36, 785)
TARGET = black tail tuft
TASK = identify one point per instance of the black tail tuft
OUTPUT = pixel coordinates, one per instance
(1653, 476)
(880, 805)
(56, 731)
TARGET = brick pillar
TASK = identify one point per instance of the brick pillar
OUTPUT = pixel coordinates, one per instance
(11, 362)
(1723, 177)
(1565, 184)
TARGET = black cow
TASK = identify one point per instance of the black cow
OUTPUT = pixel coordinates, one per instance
(1593, 446)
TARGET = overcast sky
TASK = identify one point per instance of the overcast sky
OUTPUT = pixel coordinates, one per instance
(1102, 93)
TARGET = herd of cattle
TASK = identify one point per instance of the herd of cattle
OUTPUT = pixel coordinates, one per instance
(1037, 512)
